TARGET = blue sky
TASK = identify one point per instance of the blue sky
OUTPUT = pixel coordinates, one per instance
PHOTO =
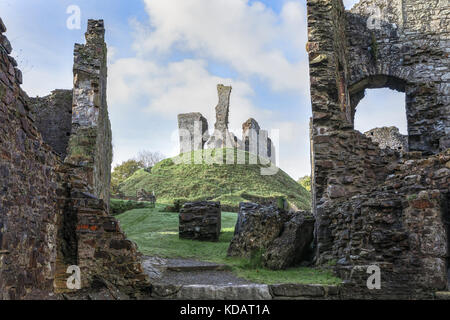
(167, 56)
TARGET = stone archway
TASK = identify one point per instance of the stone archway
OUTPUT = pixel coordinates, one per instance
(375, 206)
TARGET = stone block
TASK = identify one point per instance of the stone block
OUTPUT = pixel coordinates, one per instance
(200, 221)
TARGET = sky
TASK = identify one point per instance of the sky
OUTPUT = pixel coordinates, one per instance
(166, 57)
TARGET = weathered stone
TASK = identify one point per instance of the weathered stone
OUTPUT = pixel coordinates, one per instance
(366, 197)
(250, 135)
(298, 290)
(193, 129)
(2, 26)
(200, 221)
(53, 118)
(215, 292)
(389, 137)
(91, 127)
(256, 228)
(49, 218)
(143, 195)
(294, 245)
(282, 239)
(223, 108)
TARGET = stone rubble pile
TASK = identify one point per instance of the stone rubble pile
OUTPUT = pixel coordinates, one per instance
(283, 239)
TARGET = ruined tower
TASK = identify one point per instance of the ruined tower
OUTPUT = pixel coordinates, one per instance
(90, 141)
(222, 137)
(54, 214)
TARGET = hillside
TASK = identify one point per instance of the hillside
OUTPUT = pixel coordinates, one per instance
(178, 178)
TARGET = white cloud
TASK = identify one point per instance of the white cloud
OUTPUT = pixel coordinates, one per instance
(250, 39)
(178, 87)
(245, 36)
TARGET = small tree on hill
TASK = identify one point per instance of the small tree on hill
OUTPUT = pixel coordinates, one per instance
(123, 172)
(150, 158)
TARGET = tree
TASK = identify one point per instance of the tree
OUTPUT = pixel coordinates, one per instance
(149, 158)
(305, 182)
(123, 172)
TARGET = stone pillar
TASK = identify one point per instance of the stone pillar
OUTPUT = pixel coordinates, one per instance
(271, 151)
(262, 144)
(221, 137)
(250, 134)
(90, 145)
(193, 131)
(223, 108)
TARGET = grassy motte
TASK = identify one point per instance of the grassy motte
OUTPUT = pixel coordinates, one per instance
(202, 175)
(156, 234)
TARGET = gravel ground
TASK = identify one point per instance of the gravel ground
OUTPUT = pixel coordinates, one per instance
(157, 267)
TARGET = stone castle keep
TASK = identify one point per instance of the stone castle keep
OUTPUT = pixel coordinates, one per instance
(194, 132)
(377, 199)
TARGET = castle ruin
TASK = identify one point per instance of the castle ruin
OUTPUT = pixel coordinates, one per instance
(55, 166)
(373, 205)
(377, 206)
(194, 134)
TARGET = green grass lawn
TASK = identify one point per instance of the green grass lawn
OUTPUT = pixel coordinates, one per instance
(156, 234)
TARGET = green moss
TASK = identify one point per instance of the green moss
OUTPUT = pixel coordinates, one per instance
(82, 145)
(228, 183)
(374, 46)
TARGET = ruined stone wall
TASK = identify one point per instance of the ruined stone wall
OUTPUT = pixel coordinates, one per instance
(90, 143)
(362, 218)
(407, 49)
(398, 226)
(29, 187)
(53, 118)
(49, 217)
(389, 137)
(193, 131)
(194, 134)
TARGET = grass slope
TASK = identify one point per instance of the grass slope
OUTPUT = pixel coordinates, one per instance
(179, 178)
(156, 234)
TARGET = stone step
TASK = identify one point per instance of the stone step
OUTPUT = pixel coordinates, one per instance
(178, 265)
(442, 295)
(212, 292)
(60, 281)
(245, 292)
(183, 265)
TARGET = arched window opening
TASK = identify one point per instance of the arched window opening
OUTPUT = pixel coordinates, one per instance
(381, 115)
